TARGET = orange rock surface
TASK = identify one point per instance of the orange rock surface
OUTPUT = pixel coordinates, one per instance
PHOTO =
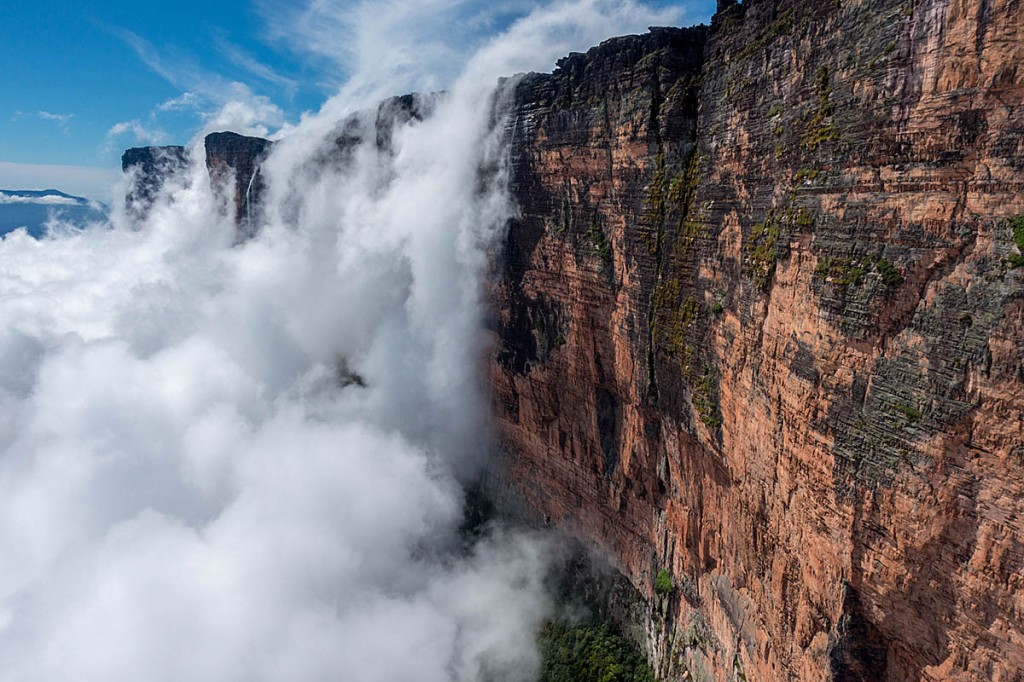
(759, 324)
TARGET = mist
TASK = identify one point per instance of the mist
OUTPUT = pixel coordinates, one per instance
(246, 461)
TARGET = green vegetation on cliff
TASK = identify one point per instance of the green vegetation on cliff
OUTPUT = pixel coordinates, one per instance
(1017, 224)
(589, 652)
(782, 26)
(820, 127)
(845, 272)
(760, 250)
(705, 400)
(600, 242)
(663, 582)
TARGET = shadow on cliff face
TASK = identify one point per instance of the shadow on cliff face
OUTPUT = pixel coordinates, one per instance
(857, 650)
(245, 462)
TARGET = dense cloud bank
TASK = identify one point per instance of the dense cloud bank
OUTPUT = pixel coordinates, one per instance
(226, 461)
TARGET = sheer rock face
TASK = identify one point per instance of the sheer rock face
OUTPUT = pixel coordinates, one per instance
(759, 324)
(233, 162)
(151, 166)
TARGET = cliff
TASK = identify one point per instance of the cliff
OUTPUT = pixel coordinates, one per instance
(759, 332)
(760, 326)
(233, 162)
(150, 165)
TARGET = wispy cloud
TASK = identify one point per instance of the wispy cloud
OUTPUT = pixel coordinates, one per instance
(344, 37)
(424, 44)
(176, 74)
(63, 121)
(242, 59)
(139, 131)
(187, 100)
(205, 92)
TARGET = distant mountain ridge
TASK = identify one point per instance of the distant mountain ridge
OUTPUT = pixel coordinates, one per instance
(33, 209)
(41, 194)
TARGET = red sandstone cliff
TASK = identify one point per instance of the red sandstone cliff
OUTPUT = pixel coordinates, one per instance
(759, 324)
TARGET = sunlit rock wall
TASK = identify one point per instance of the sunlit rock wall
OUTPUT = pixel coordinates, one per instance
(759, 324)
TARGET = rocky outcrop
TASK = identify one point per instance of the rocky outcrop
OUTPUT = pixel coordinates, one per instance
(150, 167)
(233, 161)
(760, 326)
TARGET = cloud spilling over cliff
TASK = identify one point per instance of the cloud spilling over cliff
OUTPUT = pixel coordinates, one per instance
(424, 45)
(244, 462)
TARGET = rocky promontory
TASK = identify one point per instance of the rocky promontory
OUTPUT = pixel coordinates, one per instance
(759, 334)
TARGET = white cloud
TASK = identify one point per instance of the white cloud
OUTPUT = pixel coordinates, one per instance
(138, 131)
(186, 490)
(536, 41)
(246, 61)
(207, 93)
(245, 113)
(175, 72)
(424, 45)
(63, 121)
(48, 200)
(187, 100)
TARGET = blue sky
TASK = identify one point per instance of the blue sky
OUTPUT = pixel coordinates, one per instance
(84, 79)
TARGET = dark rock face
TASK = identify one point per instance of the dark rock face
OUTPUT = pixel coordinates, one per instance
(760, 324)
(857, 650)
(235, 161)
(152, 165)
(398, 111)
(375, 125)
(234, 164)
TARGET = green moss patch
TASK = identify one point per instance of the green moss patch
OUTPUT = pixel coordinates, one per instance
(663, 582)
(673, 322)
(1017, 225)
(820, 127)
(705, 400)
(761, 252)
(783, 25)
(846, 272)
(912, 414)
(601, 243)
